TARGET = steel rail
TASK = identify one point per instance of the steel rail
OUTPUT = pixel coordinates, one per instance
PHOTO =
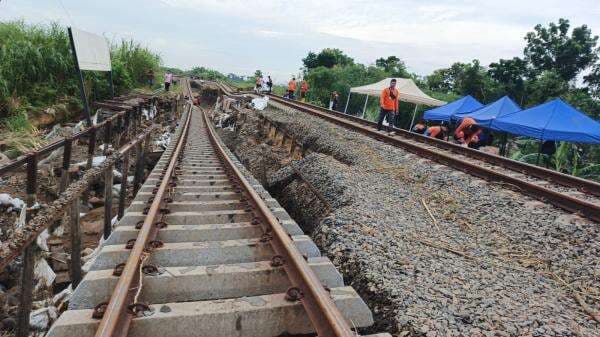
(584, 185)
(324, 315)
(561, 200)
(118, 313)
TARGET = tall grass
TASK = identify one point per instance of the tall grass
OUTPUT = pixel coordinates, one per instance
(36, 67)
(36, 71)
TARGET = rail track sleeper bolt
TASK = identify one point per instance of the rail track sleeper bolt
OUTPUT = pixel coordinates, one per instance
(164, 211)
(139, 309)
(130, 243)
(172, 184)
(139, 224)
(255, 221)
(146, 210)
(168, 200)
(99, 310)
(277, 261)
(154, 244)
(161, 224)
(305, 257)
(150, 200)
(151, 270)
(293, 294)
(119, 269)
(154, 190)
(266, 237)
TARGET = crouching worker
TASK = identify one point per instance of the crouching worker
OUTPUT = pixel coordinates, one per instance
(468, 132)
(388, 103)
(439, 132)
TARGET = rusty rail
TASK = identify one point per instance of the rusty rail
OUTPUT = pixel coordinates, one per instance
(21, 241)
(324, 315)
(120, 309)
(561, 200)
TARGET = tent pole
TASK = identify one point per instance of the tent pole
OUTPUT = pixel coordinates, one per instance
(413, 117)
(365, 106)
(347, 101)
(503, 147)
(537, 161)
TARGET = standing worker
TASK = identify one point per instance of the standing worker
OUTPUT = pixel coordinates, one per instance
(168, 80)
(388, 102)
(270, 84)
(258, 84)
(291, 88)
(303, 90)
(334, 100)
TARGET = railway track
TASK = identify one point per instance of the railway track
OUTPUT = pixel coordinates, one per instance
(568, 192)
(200, 253)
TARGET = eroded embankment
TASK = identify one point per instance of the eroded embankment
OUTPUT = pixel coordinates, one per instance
(433, 251)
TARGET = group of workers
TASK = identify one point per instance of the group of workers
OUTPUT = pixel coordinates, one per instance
(293, 86)
(468, 133)
(263, 85)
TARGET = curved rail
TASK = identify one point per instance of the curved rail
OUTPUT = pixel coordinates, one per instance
(416, 144)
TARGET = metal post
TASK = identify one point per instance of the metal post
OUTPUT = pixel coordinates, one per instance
(365, 107)
(107, 136)
(26, 295)
(139, 168)
(123, 192)
(347, 101)
(127, 125)
(66, 164)
(108, 184)
(86, 107)
(75, 244)
(110, 82)
(91, 151)
(413, 117)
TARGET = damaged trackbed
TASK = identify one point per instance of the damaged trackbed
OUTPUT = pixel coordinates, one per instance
(435, 252)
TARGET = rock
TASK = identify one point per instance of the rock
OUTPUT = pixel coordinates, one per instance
(96, 202)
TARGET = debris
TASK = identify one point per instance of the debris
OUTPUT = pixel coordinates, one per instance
(10, 202)
(44, 273)
(430, 214)
(63, 297)
(260, 103)
(40, 319)
(42, 240)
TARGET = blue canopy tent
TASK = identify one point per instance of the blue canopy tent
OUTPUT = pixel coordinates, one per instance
(486, 115)
(444, 113)
(554, 120)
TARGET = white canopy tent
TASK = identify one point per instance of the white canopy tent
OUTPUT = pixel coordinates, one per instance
(409, 92)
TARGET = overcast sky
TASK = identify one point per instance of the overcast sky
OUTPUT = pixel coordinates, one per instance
(240, 36)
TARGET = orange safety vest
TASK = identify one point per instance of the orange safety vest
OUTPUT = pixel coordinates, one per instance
(304, 87)
(459, 133)
(292, 85)
(434, 131)
(386, 102)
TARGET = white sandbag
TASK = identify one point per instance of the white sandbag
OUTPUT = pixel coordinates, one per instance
(63, 296)
(42, 240)
(40, 319)
(260, 103)
(44, 273)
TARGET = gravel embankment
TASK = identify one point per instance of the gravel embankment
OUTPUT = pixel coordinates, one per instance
(435, 252)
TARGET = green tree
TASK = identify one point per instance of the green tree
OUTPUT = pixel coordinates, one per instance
(511, 76)
(392, 65)
(549, 84)
(552, 48)
(593, 80)
(258, 73)
(328, 58)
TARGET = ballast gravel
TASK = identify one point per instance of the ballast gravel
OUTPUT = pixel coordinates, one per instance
(434, 251)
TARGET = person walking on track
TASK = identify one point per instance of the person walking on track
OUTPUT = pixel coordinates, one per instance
(270, 84)
(168, 80)
(303, 90)
(388, 103)
(291, 88)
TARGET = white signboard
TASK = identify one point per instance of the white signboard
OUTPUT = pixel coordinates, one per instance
(92, 51)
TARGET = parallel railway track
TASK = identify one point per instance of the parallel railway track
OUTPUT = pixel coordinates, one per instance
(568, 192)
(200, 253)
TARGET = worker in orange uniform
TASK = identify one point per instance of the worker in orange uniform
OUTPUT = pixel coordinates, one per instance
(438, 131)
(388, 103)
(467, 132)
(303, 90)
(291, 88)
